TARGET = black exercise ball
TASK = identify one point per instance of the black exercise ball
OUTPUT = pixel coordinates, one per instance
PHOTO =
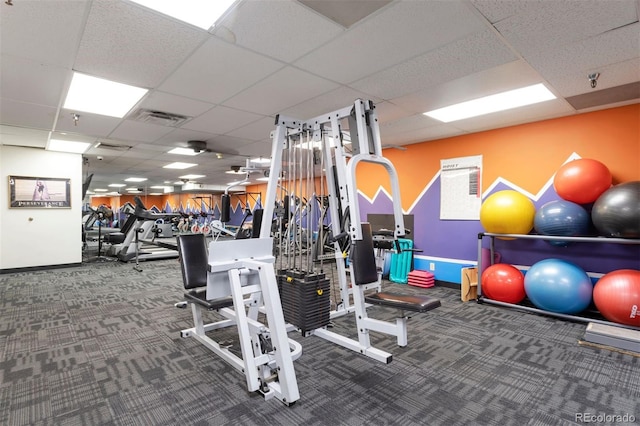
(616, 213)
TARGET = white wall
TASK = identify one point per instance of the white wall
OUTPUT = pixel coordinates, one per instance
(40, 237)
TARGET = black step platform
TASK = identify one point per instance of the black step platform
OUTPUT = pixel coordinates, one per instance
(404, 301)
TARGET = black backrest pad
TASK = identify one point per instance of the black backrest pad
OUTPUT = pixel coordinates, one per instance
(194, 261)
(363, 258)
(128, 224)
(257, 223)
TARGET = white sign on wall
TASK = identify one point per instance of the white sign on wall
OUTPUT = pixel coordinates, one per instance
(461, 188)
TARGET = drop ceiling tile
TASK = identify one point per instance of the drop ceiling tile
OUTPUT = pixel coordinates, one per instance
(125, 161)
(280, 91)
(527, 114)
(227, 145)
(346, 12)
(406, 124)
(596, 98)
(326, 102)
(572, 60)
(221, 120)
(497, 10)
(401, 31)
(20, 136)
(558, 23)
(23, 114)
(293, 29)
(420, 135)
(255, 131)
(133, 45)
(508, 76)
(32, 81)
(90, 124)
(217, 71)
(130, 130)
(576, 82)
(160, 149)
(474, 53)
(389, 111)
(180, 137)
(52, 34)
(136, 153)
(258, 149)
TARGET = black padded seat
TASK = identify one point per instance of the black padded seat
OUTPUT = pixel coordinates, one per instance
(404, 301)
(194, 263)
(119, 237)
(199, 296)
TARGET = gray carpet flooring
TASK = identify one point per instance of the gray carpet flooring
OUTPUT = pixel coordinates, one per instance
(99, 344)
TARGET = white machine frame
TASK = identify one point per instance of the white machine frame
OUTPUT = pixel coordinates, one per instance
(243, 269)
(366, 147)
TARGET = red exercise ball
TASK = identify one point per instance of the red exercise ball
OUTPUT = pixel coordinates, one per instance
(503, 282)
(582, 181)
(617, 296)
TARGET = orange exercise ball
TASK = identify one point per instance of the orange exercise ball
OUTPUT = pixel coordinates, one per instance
(507, 212)
(617, 296)
(582, 181)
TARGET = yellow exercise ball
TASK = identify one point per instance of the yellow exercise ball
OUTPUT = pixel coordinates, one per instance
(507, 212)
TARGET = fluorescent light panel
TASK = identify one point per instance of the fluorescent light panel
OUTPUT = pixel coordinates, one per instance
(179, 165)
(67, 146)
(260, 160)
(183, 151)
(191, 176)
(135, 179)
(100, 96)
(116, 185)
(201, 13)
(499, 102)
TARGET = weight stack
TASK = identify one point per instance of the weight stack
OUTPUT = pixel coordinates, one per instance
(305, 299)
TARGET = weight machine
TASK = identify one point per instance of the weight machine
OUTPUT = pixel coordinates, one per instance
(238, 279)
(319, 144)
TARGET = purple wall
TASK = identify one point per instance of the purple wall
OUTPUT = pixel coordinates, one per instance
(458, 240)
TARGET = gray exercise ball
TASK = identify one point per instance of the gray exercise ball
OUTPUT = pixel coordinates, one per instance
(616, 213)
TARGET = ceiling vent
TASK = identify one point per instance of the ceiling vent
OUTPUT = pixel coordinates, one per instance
(112, 147)
(158, 118)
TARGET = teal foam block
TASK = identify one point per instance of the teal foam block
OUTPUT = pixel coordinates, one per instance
(401, 262)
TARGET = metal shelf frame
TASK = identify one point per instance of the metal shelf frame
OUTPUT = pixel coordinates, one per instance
(577, 318)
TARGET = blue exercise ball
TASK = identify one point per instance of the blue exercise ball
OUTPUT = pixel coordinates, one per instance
(562, 218)
(556, 285)
(616, 213)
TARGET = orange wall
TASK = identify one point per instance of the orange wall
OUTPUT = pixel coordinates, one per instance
(527, 155)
